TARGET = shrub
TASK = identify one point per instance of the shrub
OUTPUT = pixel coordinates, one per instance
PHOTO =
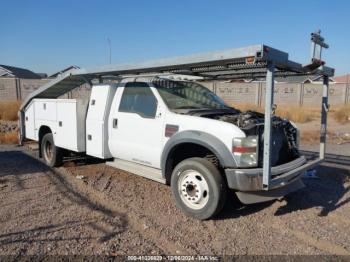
(342, 114)
(295, 114)
(9, 110)
(9, 138)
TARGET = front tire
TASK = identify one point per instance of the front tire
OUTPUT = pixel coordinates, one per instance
(198, 188)
(52, 154)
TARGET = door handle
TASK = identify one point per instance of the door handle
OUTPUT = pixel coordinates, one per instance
(115, 122)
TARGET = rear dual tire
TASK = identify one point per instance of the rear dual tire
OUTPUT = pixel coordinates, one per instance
(52, 155)
(199, 188)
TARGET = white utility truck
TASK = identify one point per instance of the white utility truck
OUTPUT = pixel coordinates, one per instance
(178, 132)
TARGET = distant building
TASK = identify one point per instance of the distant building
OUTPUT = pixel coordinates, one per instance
(16, 72)
(342, 79)
(42, 75)
(63, 71)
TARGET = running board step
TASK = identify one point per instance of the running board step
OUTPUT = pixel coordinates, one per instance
(138, 169)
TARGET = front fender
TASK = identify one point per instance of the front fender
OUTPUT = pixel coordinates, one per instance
(201, 138)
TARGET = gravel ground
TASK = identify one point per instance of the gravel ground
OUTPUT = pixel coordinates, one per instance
(109, 211)
(343, 149)
(43, 212)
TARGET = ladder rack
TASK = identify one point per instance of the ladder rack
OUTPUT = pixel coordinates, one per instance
(255, 61)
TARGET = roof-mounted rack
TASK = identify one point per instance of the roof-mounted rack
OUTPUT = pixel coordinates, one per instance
(255, 61)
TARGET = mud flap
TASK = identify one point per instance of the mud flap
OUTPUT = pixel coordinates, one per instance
(263, 196)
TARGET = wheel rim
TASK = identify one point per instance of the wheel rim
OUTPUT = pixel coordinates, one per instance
(193, 189)
(48, 151)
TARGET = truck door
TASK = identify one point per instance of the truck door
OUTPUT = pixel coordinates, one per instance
(136, 125)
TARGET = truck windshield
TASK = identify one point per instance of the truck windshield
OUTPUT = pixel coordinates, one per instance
(187, 95)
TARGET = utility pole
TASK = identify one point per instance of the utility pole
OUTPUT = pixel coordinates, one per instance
(110, 50)
(347, 89)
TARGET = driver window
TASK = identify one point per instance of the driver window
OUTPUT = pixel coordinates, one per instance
(138, 98)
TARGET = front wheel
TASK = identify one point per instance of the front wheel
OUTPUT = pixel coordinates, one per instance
(198, 188)
(52, 154)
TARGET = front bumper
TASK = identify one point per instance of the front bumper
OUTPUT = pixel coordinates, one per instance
(251, 179)
(284, 179)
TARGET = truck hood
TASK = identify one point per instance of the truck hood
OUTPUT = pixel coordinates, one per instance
(284, 134)
(245, 120)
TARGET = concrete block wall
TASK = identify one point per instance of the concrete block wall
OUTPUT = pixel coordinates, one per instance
(82, 92)
(18, 89)
(233, 93)
(8, 89)
(312, 94)
(28, 86)
(285, 93)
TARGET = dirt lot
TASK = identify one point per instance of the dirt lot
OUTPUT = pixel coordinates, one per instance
(46, 211)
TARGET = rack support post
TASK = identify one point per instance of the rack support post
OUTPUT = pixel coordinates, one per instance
(269, 95)
(324, 112)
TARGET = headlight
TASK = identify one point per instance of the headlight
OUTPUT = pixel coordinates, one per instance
(245, 151)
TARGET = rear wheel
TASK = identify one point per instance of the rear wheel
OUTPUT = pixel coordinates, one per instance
(198, 188)
(52, 154)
